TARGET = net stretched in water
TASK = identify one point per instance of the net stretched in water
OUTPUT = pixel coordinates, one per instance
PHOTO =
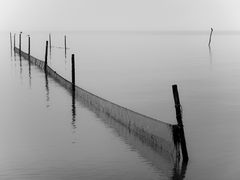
(160, 135)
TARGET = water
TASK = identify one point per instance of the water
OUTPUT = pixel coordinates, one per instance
(42, 139)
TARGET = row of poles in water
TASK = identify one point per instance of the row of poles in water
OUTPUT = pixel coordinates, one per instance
(65, 41)
(20, 44)
(174, 88)
(46, 52)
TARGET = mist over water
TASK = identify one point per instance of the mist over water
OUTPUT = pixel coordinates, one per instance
(46, 135)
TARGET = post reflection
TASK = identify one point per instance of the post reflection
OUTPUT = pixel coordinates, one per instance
(210, 54)
(20, 65)
(11, 57)
(47, 90)
(73, 110)
(14, 54)
(14, 57)
(179, 172)
(29, 74)
(11, 46)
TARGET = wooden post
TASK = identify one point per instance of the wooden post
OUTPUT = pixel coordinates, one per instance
(73, 93)
(29, 47)
(46, 56)
(73, 73)
(14, 41)
(11, 41)
(180, 123)
(20, 43)
(210, 37)
(50, 42)
(65, 45)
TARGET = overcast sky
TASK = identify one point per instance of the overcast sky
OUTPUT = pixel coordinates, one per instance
(119, 14)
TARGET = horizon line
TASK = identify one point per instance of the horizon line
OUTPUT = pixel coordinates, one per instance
(136, 31)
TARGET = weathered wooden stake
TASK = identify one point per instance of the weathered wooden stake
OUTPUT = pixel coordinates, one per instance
(50, 42)
(73, 73)
(180, 123)
(210, 38)
(46, 56)
(20, 43)
(14, 41)
(29, 47)
(65, 45)
(11, 41)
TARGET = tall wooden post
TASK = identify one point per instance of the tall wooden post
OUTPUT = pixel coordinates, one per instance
(73, 73)
(29, 47)
(14, 41)
(65, 45)
(20, 43)
(46, 56)
(210, 38)
(180, 123)
(50, 42)
(11, 41)
(73, 93)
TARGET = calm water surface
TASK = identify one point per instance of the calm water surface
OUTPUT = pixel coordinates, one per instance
(41, 137)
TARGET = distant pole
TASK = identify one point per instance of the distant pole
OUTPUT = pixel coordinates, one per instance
(210, 38)
(20, 43)
(11, 41)
(73, 72)
(180, 123)
(65, 45)
(14, 41)
(29, 47)
(50, 42)
(46, 56)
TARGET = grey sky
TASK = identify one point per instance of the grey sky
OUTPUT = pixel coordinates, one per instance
(119, 14)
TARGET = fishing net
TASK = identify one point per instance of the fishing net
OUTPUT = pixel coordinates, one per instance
(160, 135)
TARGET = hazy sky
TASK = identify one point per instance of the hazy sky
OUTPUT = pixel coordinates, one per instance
(119, 14)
